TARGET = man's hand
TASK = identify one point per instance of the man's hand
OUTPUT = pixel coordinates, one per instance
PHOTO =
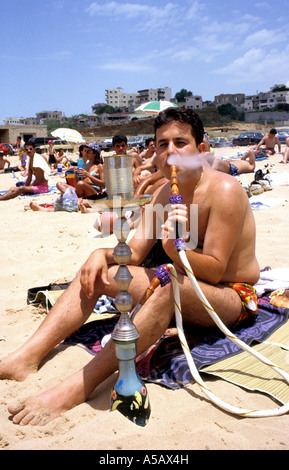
(95, 266)
(178, 213)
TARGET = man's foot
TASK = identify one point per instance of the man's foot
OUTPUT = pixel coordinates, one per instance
(34, 206)
(14, 367)
(81, 206)
(46, 406)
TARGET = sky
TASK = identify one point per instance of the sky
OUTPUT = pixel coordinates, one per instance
(63, 54)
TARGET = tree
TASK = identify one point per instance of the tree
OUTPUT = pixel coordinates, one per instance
(181, 95)
(228, 110)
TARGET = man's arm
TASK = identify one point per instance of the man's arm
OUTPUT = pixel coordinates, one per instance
(262, 142)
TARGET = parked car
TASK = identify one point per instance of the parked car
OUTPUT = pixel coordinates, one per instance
(37, 141)
(282, 135)
(248, 138)
(58, 144)
(7, 149)
(220, 142)
(106, 144)
(137, 141)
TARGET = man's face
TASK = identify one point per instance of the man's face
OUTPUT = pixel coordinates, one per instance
(173, 138)
(151, 146)
(120, 148)
(29, 150)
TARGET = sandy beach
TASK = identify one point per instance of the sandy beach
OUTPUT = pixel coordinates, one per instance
(39, 248)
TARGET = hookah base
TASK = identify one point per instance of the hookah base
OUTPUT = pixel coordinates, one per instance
(134, 407)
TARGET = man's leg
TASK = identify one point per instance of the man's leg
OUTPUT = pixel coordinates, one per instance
(16, 191)
(151, 322)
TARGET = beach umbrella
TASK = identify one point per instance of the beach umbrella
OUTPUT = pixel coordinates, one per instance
(70, 135)
(155, 107)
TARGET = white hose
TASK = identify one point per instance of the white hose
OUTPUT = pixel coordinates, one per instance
(231, 409)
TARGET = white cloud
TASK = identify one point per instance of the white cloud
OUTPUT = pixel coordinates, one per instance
(258, 65)
(263, 38)
(119, 66)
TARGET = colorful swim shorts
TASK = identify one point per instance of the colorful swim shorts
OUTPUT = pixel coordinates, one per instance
(40, 188)
(249, 300)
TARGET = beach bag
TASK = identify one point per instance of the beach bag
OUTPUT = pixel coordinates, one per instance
(67, 201)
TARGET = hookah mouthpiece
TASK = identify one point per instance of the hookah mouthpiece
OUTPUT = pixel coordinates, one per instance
(162, 273)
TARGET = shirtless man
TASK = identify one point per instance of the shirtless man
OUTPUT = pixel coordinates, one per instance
(225, 253)
(231, 166)
(270, 140)
(120, 147)
(39, 168)
(150, 149)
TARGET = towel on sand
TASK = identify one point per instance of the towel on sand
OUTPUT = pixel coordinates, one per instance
(164, 363)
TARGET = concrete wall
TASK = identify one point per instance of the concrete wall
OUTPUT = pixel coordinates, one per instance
(277, 116)
(9, 134)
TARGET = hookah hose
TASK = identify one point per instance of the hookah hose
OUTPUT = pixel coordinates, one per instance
(181, 248)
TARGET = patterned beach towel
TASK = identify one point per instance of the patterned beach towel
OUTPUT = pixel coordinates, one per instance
(164, 363)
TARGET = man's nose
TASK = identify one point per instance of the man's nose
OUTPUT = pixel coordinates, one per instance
(171, 149)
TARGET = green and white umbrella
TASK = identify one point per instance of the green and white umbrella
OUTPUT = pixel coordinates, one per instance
(155, 107)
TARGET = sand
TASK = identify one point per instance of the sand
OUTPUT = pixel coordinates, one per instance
(39, 248)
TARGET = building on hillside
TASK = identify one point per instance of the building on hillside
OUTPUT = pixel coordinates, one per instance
(151, 94)
(48, 115)
(117, 98)
(236, 99)
(194, 102)
(269, 99)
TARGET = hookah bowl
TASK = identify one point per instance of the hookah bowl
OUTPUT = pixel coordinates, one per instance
(129, 395)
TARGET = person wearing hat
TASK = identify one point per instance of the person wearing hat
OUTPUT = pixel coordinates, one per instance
(89, 182)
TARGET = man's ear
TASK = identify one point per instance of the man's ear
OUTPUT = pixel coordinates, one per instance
(202, 147)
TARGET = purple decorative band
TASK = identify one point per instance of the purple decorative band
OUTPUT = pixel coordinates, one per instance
(176, 199)
(163, 275)
(180, 245)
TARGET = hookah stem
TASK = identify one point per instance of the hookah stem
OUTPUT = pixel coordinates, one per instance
(161, 277)
(175, 190)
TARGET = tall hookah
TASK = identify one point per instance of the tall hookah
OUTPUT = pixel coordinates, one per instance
(129, 395)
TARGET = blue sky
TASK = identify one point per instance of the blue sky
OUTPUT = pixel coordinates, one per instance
(63, 54)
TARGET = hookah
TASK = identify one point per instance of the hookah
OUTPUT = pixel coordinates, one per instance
(180, 246)
(129, 395)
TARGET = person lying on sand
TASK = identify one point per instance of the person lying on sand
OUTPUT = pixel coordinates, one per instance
(231, 166)
(223, 259)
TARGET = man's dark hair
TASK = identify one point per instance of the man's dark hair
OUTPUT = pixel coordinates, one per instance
(187, 116)
(30, 142)
(149, 140)
(273, 131)
(117, 139)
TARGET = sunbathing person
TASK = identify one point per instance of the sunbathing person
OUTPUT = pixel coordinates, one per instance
(223, 261)
(38, 168)
(231, 166)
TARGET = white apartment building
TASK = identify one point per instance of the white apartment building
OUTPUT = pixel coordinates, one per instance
(117, 98)
(12, 121)
(270, 99)
(154, 94)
